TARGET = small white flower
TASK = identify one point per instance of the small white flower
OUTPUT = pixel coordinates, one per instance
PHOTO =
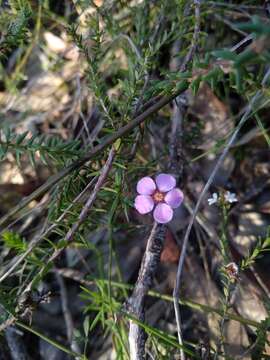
(230, 197)
(212, 200)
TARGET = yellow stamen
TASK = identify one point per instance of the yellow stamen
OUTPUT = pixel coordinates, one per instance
(158, 196)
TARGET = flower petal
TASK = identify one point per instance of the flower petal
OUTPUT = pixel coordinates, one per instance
(174, 198)
(230, 197)
(213, 199)
(163, 213)
(165, 182)
(146, 186)
(144, 204)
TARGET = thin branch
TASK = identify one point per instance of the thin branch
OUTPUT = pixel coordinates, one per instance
(188, 58)
(7, 323)
(248, 38)
(176, 136)
(67, 315)
(83, 215)
(176, 292)
(143, 284)
(37, 240)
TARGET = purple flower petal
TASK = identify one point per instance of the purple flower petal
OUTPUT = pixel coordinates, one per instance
(165, 182)
(144, 204)
(146, 186)
(174, 198)
(163, 213)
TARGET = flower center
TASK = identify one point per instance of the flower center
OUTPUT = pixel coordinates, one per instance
(158, 196)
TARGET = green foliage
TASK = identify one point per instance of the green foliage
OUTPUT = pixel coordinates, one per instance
(94, 59)
(262, 245)
(261, 339)
(14, 241)
(48, 149)
(257, 26)
(105, 307)
(122, 46)
(15, 26)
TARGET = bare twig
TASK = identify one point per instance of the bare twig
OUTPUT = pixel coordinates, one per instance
(176, 137)
(188, 58)
(67, 315)
(176, 292)
(5, 324)
(143, 284)
(246, 39)
(176, 141)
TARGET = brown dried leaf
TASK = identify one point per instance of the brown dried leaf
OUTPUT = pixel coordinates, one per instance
(170, 251)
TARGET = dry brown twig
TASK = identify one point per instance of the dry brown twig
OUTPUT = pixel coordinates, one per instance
(5, 324)
(194, 44)
(135, 304)
(176, 137)
(67, 314)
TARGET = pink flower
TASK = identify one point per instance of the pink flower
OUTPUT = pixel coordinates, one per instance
(160, 195)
